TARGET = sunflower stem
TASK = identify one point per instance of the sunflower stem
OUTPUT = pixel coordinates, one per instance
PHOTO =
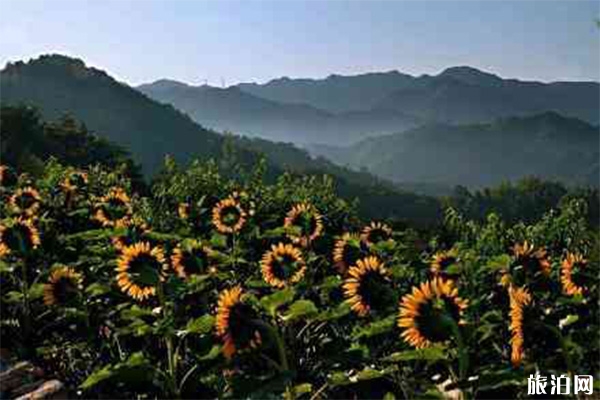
(563, 347)
(26, 304)
(463, 359)
(278, 341)
(168, 344)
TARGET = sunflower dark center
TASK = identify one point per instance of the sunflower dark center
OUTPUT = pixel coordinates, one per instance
(525, 268)
(230, 216)
(9, 178)
(306, 222)
(145, 270)
(378, 235)
(64, 290)
(447, 261)
(76, 180)
(376, 291)
(284, 266)
(115, 209)
(432, 320)
(240, 324)
(18, 238)
(577, 275)
(25, 201)
(194, 263)
(351, 254)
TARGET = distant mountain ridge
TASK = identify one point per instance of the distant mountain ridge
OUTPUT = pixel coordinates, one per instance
(547, 145)
(346, 109)
(458, 94)
(234, 109)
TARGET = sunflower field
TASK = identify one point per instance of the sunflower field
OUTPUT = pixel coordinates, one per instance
(214, 286)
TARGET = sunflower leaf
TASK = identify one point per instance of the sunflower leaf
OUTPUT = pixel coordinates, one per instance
(272, 302)
(376, 328)
(434, 353)
(300, 309)
(201, 325)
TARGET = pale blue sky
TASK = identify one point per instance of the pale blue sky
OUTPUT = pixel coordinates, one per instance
(256, 40)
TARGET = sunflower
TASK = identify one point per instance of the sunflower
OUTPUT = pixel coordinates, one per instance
(305, 217)
(424, 312)
(519, 298)
(528, 261)
(114, 209)
(18, 235)
(442, 260)
(135, 229)
(375, 232)
(572, 263)
(235, 323)
(139, 270)
(25, 201)
(183, 210)
(7, 176)
(228, 216)
(74, 181)
(282, 265)
(63, 285)
(346, 251)
(191, 258)
(367, 286)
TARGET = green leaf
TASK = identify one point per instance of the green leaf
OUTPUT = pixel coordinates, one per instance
(301, 389)
(340, 311)
(300, 309)
(272, 302)
(498, 263)
(135, 369)
(214, 352)
(434, 353)
(6, 268)
(568, 320)
(201, 325)
(97, 289)
(36, 291)
(13, 297)
(375, 328)
(97, 376)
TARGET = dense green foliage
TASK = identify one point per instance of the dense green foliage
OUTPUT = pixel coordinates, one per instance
(299, 341)
(546, 145)
(26, 142)
(527, 200)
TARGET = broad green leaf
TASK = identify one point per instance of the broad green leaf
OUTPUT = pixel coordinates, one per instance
(433, 353)
(568, 320)
(300, 309)
(201, 325)
(272, 302)
(97, 289)
(375, 328)
(214, 352)
(340, 311)
(36, 291)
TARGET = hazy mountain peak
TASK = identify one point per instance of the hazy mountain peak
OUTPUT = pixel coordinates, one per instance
(471, 75)
(165, 84)
(55, 64)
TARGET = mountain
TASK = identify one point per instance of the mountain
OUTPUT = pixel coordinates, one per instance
(467, 95)
(58, 84)
(109, 110)
(336, 93)
(547, 145)
(233, 109)
(459, 94)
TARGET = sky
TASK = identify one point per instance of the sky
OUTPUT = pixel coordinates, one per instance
(227, 41)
